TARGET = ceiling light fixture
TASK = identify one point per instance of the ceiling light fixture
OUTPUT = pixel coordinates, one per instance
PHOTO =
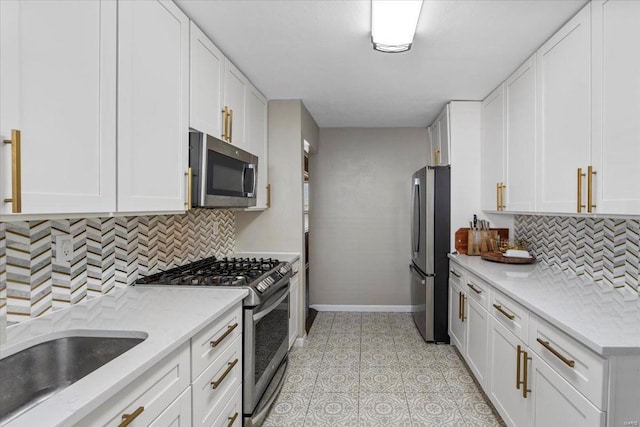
(393, 24)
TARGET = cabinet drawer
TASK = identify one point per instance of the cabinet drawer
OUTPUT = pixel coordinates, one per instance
(207, 345)
(231, 415)
(226, 372)
(477, 290)
(456, 275)
(178, 414)
(153, 391)
(581, 367)
(511, 314)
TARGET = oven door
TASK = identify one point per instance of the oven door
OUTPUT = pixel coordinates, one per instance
(266, 342)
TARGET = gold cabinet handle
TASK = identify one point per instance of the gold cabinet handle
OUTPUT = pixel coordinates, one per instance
(128, 418)
(580, 205)
(16, 172)
(464, 314)
(502, 187)
(474, 289)
(189, 202)
(230, 126)
(518, 382)
(525, 374)
(459, 305)
(230, 329)
(455, 273)
(232, 419)
(268, 195)
(498, 204)
(590, 173)
(545, 344)
(225, 113)
(215, 384)
(436, 157)
(501, 310)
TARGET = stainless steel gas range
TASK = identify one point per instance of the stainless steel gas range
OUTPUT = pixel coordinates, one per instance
(266, 320)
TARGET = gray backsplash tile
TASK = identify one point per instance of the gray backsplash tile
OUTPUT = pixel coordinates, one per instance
(108, 253)
(604, 249)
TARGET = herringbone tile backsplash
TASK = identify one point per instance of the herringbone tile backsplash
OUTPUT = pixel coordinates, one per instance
(107, 253)
(604, 249)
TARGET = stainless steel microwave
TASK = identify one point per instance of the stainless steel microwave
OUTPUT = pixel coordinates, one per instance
(223, 175)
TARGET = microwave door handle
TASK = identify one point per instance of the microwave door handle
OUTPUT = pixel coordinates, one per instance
(255, 179)
(251, 166)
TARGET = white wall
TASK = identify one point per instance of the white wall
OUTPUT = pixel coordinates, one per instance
(360, 211)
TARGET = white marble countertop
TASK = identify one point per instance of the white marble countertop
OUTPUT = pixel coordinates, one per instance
(170, 316)
(605, 319)
(282, 256)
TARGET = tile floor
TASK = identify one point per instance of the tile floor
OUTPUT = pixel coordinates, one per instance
(374, 369)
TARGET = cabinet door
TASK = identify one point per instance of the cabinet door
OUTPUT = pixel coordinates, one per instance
(207, 70)
(294, 308)
(178, 414)
(520, 171)
(503, 393)
(235, 87)
(564, 82)
(492, 157)
(444, 137)
(616, 143)
(257, 141)
(430, 147)
(477, 338)
(58, 85)
(153, 106)
(555, 403)
(456, 316)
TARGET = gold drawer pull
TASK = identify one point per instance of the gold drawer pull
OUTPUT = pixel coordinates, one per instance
(590, 173)
(580, 205)
(525, 374)
(545, 344)
(501, 310)
(232, 419)
(464, 310)
(16, 172)
(455, 273)
(215, 384)
(230, 329)
(518, 382)
(128, 418)
(474, 289)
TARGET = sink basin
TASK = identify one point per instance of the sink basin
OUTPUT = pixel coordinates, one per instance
(53, 362)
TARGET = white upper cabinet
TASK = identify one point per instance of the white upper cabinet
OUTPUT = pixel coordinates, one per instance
(58, 89)
(256, 128)
(442, 140)
(616, 120)
(520, 165)
(153, 106)
(493, 149)
(564, 134)
(235, 88)
(207, 71)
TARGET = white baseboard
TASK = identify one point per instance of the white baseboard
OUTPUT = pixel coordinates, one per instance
(377, 308)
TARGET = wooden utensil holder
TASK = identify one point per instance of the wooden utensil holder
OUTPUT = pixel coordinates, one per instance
(462, 239)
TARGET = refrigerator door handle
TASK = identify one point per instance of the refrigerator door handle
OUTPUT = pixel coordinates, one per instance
(415, 217)
(415, 272)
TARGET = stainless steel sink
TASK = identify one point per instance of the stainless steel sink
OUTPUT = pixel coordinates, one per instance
(33, 374)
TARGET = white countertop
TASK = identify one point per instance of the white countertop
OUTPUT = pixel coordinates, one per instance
(281, 256)
(170, 316)
(605, 319)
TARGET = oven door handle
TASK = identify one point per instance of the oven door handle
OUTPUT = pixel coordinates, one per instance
(262, 313)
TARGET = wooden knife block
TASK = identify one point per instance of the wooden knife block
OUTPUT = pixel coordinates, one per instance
(463, 237)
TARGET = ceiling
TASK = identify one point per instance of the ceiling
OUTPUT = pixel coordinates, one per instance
(320, 51)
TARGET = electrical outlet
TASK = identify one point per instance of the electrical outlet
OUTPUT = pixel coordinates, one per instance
(215, 228)
(64, 249)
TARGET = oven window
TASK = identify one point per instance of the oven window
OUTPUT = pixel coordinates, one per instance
(270, 332)
(224, 175)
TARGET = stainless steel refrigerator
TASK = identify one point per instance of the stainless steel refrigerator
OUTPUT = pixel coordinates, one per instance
(430, 244)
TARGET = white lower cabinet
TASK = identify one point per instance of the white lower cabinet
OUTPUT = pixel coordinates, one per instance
(505, 379)
(533, 373)
(231, 414)
(178, 414)
(555, 403)
(477, 337)
(147, 396)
